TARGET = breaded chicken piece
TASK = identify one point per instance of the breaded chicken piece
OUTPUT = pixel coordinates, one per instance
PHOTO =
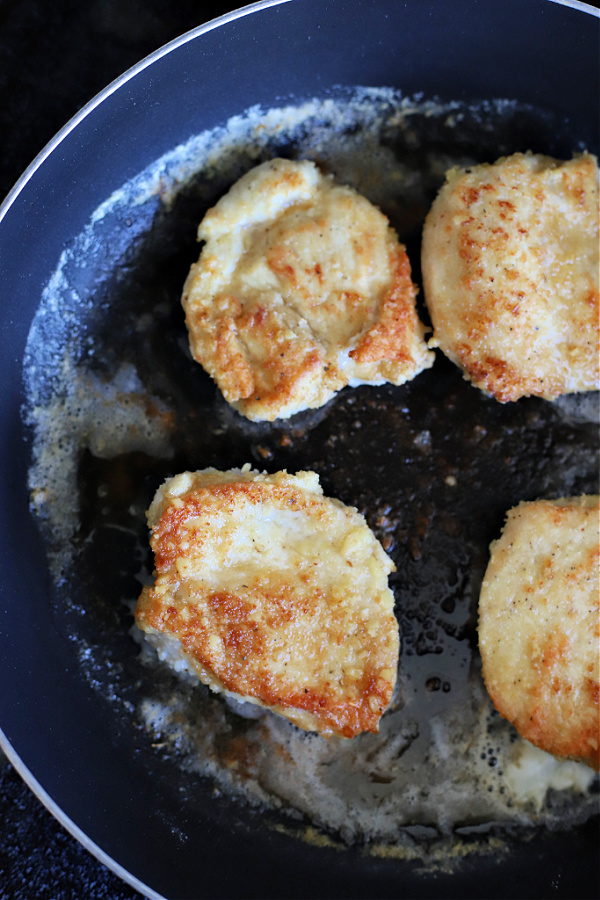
(538, 625)
(510, 275)
(301, 288)
(271, 592)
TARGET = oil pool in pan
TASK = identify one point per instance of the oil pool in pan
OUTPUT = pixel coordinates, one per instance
(116, 405)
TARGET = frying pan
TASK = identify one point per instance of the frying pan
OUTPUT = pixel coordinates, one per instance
(165, 833)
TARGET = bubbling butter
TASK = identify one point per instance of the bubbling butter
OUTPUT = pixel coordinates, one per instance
(444, 764)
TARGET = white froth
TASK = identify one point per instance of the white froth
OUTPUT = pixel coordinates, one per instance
(108, 417)
(579, 407)
(533, 773)
(456, 778)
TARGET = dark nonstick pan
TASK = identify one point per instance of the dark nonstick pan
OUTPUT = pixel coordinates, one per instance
(95, 241)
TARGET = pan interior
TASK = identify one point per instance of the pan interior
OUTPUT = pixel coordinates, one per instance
(116, 404)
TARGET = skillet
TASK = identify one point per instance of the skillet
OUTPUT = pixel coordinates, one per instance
(90, 770)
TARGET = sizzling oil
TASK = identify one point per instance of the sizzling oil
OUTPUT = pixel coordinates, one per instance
(116, 404)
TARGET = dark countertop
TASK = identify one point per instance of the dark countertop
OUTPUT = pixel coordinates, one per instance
(54, 57)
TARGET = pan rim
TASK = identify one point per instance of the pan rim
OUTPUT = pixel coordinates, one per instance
(67, 823)
(127, 76)
(153, 57)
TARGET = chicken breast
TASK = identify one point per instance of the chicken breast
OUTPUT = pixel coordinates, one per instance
(510, 275)
(538, 625)
(301, 288)
(268, 591)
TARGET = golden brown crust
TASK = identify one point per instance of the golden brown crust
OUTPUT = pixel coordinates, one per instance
(275, 594)
(301, 288)
(538, 625)
(510, 275)
(390, 337)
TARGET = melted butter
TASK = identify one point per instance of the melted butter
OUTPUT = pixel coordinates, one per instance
(115, 404)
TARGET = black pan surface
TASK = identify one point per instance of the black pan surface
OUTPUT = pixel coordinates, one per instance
(396, 454)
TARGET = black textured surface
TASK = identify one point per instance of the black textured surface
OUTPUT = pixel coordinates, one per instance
(38, 858)
(54, 57)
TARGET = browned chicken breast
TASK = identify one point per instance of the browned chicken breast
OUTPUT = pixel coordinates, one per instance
(268, 591)
(510, 275)
(301, 288)
(538, 625)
